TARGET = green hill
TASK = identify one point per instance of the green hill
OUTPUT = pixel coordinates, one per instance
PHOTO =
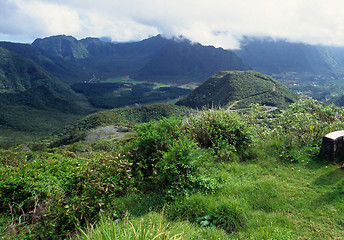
(33, 103)
(237, 89)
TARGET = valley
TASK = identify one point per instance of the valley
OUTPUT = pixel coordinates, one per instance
(169, 139)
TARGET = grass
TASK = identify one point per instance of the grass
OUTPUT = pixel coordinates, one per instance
(160, 85)
(287, 200)
(339, 82)
(150, 226)
(280, 200)
(122, 80)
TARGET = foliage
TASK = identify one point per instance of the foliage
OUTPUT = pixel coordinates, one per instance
(55, 191)
(303, 125)
(125, 117)
(275, 185)
(164, 160)
(222, 132)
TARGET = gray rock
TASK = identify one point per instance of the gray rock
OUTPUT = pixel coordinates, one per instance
(333, 145)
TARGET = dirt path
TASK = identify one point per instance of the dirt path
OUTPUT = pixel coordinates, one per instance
(270, 108)
(233, 104)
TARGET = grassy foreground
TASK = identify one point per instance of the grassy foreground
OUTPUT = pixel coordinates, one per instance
(212, 175)
(279, 200)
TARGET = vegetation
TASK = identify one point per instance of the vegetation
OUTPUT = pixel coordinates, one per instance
(124, 117)
(211, 175)
(115, 95)
(236, 89)
(33, 103)
(19, 74)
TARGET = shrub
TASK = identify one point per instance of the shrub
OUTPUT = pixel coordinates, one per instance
(55, 191)
(306, 121)
(301, 127)
(152, 140)
(222, 132)
(164, 160)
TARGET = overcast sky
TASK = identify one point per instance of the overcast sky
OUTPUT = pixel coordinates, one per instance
(211, 22)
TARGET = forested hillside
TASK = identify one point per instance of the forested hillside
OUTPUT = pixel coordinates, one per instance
(237, 89)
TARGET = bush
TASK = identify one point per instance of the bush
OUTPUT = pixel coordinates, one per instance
(222, 132)
(306, 121)
(178, 168)
(164, 160)
(301, 127)
(56, 191)
(152, 140)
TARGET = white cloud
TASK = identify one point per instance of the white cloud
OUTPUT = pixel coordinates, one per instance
(216, 22)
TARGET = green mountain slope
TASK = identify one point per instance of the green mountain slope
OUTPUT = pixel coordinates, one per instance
(33, 103)
(41, 98)
(18, 73)
(239, 89)
(55, 65)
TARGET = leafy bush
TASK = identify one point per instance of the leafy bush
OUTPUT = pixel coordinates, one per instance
(178, 169)
(302, 126)
(222, 132)
(152, 140)
(165, 160)
(55, 191)
(306, 120)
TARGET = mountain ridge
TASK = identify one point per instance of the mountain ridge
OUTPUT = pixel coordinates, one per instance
(152, 59)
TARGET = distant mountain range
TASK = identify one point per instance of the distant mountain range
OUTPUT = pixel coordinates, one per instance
(239, 89)
(176, 60)
(279, 56)
(154, 59)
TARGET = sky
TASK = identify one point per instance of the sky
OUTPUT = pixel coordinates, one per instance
(221, 23)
